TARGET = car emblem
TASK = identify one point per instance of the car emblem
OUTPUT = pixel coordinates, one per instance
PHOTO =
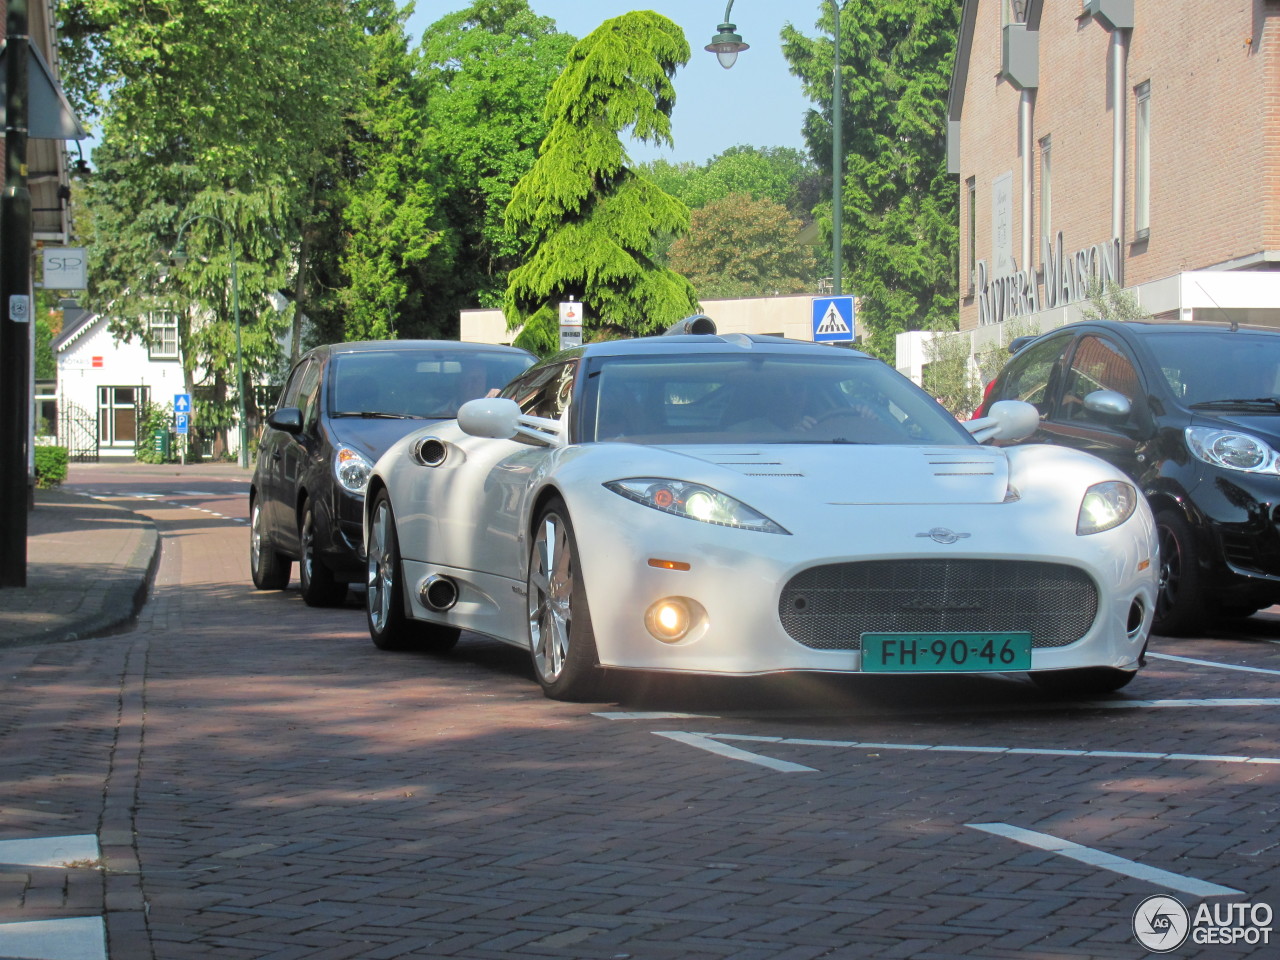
(943, 535)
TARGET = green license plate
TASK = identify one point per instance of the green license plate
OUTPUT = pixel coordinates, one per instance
(945, 652)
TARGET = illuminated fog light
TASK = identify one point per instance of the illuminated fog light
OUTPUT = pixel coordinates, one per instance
(671, 619)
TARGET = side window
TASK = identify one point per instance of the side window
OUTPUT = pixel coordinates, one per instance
(544, 391)
(309, 395)
(1098, 364)
(289, 395)
(1030, 375)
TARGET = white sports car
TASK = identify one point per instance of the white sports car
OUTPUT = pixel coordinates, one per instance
(736, 505)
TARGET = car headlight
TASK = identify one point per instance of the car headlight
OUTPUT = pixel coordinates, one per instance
(694, 502)
(1231, 449)
(1106, 505)
(352, 470)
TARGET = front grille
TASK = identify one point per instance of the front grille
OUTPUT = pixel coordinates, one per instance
(830, 607)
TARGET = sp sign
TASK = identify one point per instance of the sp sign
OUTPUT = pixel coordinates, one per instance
(65, 268)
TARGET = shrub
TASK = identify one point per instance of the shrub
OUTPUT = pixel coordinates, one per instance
(51, 466)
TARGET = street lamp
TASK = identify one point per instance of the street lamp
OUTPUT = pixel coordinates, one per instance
(726, 45)
(179, 257)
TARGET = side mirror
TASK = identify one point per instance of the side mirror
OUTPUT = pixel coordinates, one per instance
(288, 419)
(1109, 404)
(496, 418)
(1008, 420)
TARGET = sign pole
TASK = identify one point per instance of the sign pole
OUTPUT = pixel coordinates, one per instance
(15, 308)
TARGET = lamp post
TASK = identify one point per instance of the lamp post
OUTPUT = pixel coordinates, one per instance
(179, 257)
(726, 45)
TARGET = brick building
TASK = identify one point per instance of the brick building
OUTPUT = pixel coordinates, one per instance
(1128, 140)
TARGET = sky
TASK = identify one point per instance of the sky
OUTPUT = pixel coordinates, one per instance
(758, 103)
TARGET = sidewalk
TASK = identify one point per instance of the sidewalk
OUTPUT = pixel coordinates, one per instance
(88, 568)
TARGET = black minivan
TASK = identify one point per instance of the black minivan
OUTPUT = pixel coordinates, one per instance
(1191, 411)
(342, 406)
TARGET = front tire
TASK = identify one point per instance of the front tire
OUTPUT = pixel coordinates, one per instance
(561, 639)
(270, 569)
(1179, 605)
(389, 627)
(1082, 682)
(319, 588)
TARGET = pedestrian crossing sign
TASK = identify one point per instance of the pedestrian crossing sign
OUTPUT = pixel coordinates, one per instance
(833, 319)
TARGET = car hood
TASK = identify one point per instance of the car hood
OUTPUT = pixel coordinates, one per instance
(865, 474)
(373, 436)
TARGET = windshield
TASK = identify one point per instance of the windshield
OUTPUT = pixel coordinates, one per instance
(416, 384)
(843, 398)
(1208, 368)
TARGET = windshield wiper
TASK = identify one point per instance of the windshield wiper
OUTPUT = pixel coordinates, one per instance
(377, 415)
(1271, 402)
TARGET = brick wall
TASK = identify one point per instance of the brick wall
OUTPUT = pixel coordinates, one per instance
(1214, 74)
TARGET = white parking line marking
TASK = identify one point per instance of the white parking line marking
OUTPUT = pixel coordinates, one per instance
(1190, 702)
(198, 493)
(50, 851)
(1212, 663)
(706, 741)
(712, 742)
(75, 938)
(1107, 861)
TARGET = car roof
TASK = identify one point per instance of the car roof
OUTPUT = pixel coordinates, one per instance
(382, 346)
(704, 343)
(1143, 328)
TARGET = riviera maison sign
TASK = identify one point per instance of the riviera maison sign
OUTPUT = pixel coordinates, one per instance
(1066, 280)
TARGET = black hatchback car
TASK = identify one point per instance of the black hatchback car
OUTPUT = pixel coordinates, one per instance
(342, 406)
(1191, 411)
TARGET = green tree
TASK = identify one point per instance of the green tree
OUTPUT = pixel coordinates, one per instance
(592, 220)
(199, 118)
(900, 205)
(396, 246)
(488, 70)
(780, 174)
(743, 247)
(1111, 302)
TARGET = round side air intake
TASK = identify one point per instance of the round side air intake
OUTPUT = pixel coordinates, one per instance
(430, 451)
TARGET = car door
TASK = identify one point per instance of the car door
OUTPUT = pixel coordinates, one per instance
(1034, 375)
(1099, 362)
(503, 503)
(295, 455)
(271, 457)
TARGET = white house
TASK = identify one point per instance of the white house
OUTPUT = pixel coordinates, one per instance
(103, 384)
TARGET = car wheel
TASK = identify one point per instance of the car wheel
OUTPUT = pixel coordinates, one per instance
(389, 627)
(1082, 682)
(270, 569)
(561, 639)
(1179, 609)
(319, 588)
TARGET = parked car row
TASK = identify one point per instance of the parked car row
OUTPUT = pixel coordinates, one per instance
(714, 504)
(1191, 413)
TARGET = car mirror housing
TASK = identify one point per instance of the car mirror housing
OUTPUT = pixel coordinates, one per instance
(1008, 420)
(288, 419)
(1108, 403)
(495, 418)
(498, 418)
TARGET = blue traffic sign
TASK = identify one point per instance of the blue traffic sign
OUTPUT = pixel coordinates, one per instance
(182, 403)
(181, 422)
(833, 319)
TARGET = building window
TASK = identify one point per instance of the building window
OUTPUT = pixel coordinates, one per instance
(971, 241)
(1142, 163)
(162, 336)
(1046, 197)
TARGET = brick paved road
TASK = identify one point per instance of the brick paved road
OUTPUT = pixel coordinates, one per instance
(266, 784)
